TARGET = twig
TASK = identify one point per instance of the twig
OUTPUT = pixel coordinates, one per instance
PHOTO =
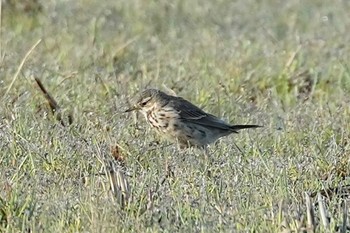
(21, 66)
(1, 29)
(323, 212)
(345, 217)
(310, 213)
(55, 108)
(292, 57)
(52, 102)
(119, 184)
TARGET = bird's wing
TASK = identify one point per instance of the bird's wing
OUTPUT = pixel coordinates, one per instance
(191, 113)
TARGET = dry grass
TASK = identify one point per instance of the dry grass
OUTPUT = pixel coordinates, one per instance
(92, 169)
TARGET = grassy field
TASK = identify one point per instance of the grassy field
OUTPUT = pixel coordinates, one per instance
(280, 64)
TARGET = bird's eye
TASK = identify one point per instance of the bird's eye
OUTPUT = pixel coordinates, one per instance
(145, 101)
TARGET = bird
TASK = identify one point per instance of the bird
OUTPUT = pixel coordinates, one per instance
(179, 120)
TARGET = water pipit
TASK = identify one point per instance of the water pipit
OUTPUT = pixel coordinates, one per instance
(179, 120)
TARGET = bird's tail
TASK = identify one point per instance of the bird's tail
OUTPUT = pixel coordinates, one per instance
(235, 128)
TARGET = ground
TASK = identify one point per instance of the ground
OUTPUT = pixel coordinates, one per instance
(91, 168)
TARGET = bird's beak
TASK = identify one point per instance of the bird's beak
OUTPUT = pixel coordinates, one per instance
(133, 108)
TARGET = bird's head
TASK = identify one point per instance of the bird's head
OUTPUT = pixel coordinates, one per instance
(145, 101)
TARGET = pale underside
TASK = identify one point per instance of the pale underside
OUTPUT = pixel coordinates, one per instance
(189, 126)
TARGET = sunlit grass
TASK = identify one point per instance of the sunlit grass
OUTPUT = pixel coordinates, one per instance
(281, 65)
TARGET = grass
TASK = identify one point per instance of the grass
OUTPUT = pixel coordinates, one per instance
(280, 64)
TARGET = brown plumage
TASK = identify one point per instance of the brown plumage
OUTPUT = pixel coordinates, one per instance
(180, 120)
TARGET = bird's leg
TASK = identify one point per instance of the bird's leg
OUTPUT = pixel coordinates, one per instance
(206, 152)
(209, 160)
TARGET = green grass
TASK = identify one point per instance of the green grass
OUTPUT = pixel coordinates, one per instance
(281, 64)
